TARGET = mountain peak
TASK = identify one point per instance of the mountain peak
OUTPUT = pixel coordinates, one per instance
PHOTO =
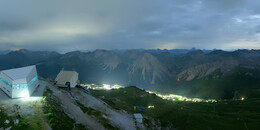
(23, 51)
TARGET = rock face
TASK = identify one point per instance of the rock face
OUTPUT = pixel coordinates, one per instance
(109, 60)
(203, 70)
(200, 65)
(150, 67)
(133, 67)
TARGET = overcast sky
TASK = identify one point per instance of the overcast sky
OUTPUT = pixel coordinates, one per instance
(67, 25)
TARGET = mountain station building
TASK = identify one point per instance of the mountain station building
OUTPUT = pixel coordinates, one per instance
(138, 117)
(19, 82)
(67, 79)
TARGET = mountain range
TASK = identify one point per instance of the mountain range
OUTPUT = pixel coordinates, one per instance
(177, 71)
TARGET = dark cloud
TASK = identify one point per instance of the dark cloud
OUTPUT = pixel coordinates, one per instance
(115, 24)
(11, 25)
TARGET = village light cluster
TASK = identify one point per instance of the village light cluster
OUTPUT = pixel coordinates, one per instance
(109, 87)
(171, 97)
(102, 87)
(149, 107)
(174, 97)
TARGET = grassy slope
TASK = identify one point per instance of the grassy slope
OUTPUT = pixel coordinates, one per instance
(26, 122)
(216, 85)
(187, 115)
(98, 115)
(3, 117)
(57, 118)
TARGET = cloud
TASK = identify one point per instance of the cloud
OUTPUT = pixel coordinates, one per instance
(115, 24)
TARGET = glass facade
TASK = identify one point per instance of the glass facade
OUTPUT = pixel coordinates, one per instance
(5, 82)
(33, 80)
(18, 86)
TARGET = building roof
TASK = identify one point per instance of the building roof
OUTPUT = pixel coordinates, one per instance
(18, 73)
(138, 116)
(65, 76)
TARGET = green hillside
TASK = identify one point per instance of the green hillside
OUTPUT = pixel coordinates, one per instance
(229, 114)
(239, 82)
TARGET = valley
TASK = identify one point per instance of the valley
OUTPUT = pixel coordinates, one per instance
(130, 65)
(223, 72)
(113, 109)
(223, 114)
(194, 90)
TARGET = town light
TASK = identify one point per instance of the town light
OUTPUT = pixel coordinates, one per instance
(107, 86)
(151, 106)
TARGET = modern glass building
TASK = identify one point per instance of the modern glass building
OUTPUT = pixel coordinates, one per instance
(19, 82)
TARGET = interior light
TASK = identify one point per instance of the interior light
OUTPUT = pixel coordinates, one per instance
(31, 98)
(25, 93)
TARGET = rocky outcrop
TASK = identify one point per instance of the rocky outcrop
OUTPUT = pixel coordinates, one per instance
(203, 70)
(109, 60)
(151, 68)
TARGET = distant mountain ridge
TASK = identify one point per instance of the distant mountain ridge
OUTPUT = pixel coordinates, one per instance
(2, 52)
(144, 68)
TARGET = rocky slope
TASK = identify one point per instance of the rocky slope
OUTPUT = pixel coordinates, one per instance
(150, 67)
(203, 70)
(201, 65)
(134, 67)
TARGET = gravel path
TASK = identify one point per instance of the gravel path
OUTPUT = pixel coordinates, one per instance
(120, 119)
(74, 111)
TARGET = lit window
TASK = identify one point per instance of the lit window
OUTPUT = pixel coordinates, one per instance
(5, 82)
(32, 81)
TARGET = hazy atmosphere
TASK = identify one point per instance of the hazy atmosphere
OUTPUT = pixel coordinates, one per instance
(115, 24)
(129, 64)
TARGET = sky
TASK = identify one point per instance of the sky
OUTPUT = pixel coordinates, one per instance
(68, 25)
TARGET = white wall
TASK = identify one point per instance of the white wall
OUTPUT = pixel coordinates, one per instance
(27, 90)
(32, 74)
(58, 76)
(3, 86)
(19, 81)
(21, 92)
(139, 120)
(73, 81)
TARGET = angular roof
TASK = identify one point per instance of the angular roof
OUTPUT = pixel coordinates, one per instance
(138, 116)
(18, 73)
(65, 76)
